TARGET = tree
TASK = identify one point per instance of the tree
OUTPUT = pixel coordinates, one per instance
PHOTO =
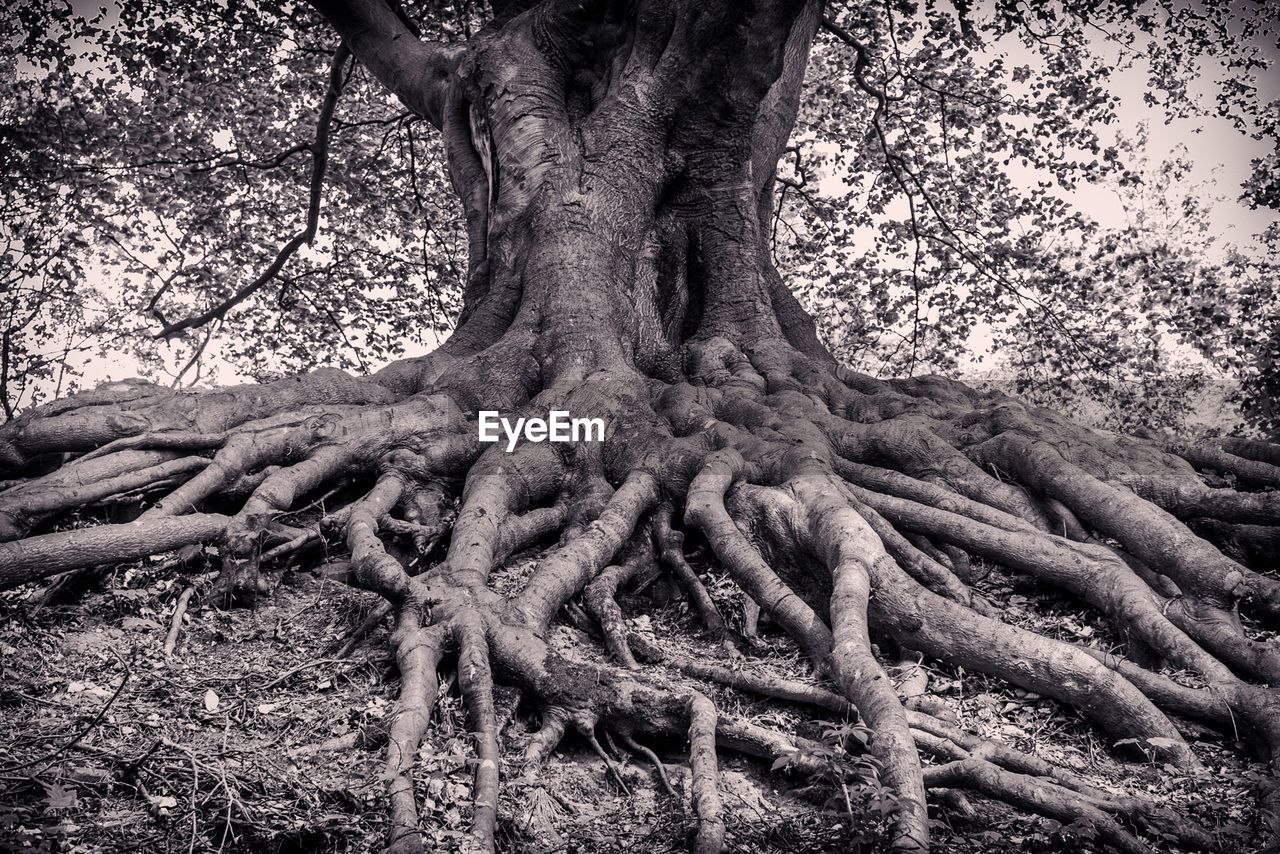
(617, 166)
(1163, 308)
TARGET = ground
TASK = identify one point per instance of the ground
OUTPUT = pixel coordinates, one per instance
(256, 736)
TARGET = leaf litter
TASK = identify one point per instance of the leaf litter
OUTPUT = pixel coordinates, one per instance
(252, 737)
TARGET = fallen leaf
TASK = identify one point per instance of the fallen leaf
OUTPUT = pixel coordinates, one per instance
(89, 774)
(162, 802)
(211, 701)
(139, 624)
(58, 797)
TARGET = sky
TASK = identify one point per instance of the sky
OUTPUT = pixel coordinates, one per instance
(1221, 154)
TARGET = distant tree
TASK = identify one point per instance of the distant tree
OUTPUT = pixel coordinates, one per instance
(1161, 316)
(944, 211)
(192, 152)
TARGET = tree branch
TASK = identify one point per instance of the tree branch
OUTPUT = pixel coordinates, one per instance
(319, 163)
(900, 171)
(416, 72)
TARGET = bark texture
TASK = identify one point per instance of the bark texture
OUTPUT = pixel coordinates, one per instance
(615, 162)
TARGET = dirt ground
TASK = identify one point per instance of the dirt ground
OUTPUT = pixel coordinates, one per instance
(254, 737)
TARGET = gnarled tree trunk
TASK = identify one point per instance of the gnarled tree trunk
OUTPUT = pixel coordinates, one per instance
(615, 162)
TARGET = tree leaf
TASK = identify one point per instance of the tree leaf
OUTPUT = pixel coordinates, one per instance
(211, 701)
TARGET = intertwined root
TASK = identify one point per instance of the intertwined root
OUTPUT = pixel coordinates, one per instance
(846, 509)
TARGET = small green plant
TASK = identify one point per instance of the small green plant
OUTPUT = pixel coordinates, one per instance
(839, 762)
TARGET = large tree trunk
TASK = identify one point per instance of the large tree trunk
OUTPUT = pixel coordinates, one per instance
(615, 168)
(615, 162)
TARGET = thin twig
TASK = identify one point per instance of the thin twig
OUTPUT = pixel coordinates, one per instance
(97, 719)
(301, 667)
(175, 625)
(376, 616)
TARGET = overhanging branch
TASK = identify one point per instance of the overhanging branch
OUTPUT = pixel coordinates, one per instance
(319, 149)
(416, 72)
(902, 174)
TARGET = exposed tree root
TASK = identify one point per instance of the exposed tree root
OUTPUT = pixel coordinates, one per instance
(476, 682)
(635, 747)
(1031, 794)
(706, 775)
(847, 509)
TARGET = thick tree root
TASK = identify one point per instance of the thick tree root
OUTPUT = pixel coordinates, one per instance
(706, 775)
(848, 510)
